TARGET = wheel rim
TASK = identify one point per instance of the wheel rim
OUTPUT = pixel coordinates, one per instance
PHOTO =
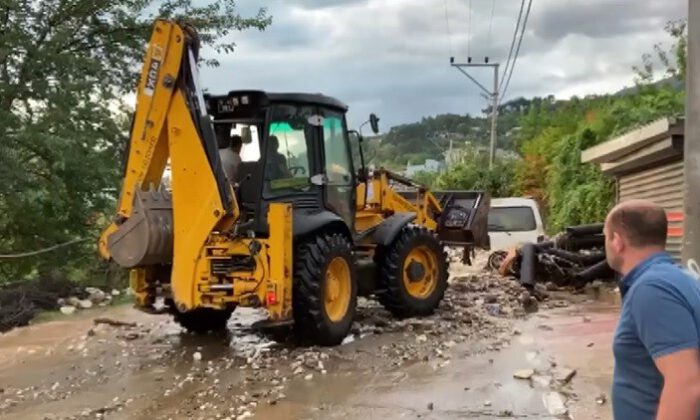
(337, 289)
(422, 285)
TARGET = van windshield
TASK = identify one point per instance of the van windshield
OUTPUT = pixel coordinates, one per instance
(511, 219)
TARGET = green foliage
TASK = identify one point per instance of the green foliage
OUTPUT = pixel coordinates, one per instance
(553, 134)
(65, 66)
(472, 172)
(425, 178)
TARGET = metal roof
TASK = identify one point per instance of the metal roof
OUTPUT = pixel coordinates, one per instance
(618, 147)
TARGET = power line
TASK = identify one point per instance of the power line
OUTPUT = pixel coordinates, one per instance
(493, 8)
(512, 43)
(469, 31)
(447, 29)
(517, 51)
(41, 251)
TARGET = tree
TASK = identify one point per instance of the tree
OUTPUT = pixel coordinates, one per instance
(65, 69)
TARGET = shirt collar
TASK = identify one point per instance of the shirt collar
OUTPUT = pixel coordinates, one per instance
(628, 280)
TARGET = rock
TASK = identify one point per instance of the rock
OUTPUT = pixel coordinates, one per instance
(116, 292)
(197, 356)
(67, 310)
(85, 304)
(73, 301)
(540, 291)
(542, 381)
(309, 377)
(551, 286)
(493, 309)
(95, 295)
(601, 399)
(590, 344)
(596, 284)
(530, 304)
(61, 302)
(491, 298)
(554, 402)
(422, 338)
(431, 406)
(564, 375)
(523, 373)
(487, 403)
(586, 319)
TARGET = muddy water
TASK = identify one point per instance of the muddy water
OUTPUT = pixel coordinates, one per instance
(474, 385)
(62, 370)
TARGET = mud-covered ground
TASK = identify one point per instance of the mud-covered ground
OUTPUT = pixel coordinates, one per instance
(458, 363)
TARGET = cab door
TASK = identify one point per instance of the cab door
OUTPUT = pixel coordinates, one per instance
(339, 194)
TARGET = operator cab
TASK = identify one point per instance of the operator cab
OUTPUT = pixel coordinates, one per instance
(295, 149)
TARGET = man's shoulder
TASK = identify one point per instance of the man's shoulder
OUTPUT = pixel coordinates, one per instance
(668, 277)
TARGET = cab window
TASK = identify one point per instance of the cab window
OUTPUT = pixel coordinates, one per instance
(290, 135)
(337, 154)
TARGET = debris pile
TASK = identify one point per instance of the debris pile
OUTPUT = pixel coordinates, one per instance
(21, 302)
(573, 258)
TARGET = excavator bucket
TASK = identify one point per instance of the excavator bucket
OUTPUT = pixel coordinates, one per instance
(147, 236)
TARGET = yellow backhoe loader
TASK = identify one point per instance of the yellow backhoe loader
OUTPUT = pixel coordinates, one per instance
(301, 231)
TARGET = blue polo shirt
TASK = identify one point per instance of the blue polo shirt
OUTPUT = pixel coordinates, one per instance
(660, 315)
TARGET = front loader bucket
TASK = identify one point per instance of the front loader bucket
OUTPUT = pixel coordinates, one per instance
(464, 218)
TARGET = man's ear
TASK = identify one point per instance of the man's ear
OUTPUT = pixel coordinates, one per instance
(618, 242)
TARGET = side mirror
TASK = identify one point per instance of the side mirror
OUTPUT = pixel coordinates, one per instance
(374, 123)
(246, 135)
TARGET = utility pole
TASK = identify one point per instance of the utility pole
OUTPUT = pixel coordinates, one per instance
(691, 148)
(493, 95)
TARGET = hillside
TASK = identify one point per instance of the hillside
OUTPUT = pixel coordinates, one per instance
(429, 138)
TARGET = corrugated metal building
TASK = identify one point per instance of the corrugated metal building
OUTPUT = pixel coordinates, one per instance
(647, 163)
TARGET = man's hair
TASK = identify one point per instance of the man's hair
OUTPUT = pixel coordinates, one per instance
(236, 142)
(224, 142)
(641, 223)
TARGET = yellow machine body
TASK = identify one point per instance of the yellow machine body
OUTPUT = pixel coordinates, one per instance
(192, 243)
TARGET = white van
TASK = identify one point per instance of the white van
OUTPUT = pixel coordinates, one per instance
(514, 221)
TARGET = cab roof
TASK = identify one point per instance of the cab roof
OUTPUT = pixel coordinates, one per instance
(305, 98)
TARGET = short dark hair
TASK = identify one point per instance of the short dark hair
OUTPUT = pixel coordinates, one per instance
(236, 141)
(642, 224)
(224, 142)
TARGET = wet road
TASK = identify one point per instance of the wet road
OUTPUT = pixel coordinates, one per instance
(478, 386)
(70, 368)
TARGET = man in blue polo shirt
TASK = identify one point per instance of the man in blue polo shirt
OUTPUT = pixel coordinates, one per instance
(657, 361)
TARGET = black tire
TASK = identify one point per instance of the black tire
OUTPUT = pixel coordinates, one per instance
(311, 262)
(393, 294)
(203, 320)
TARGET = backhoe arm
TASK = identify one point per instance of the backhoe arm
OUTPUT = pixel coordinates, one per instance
(154, 226)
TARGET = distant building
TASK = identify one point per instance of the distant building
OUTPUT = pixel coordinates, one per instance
(430, 165)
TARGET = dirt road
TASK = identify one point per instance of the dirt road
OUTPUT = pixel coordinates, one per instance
(458, 363)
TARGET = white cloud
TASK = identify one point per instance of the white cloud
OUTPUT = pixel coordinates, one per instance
(392, 56)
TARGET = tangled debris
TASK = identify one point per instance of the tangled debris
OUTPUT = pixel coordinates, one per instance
(573, 258)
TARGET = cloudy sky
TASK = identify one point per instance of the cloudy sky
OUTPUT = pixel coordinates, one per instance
(392, 56)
